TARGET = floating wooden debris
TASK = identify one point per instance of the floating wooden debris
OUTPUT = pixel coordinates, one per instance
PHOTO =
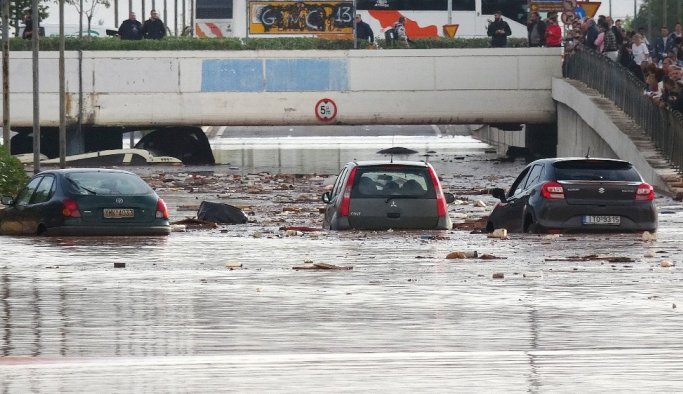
(196, 223)
(470, 254)
(592, 257)
(320, 266)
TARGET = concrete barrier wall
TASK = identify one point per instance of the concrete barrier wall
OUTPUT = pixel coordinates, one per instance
(583, 124)
(441, 86)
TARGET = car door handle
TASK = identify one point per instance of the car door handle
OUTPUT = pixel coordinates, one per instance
(393, 215)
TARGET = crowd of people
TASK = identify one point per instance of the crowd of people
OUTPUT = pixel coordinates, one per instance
(659, 66)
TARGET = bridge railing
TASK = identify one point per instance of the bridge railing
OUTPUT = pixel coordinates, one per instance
(616, 82)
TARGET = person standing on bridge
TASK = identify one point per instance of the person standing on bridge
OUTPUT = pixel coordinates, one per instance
(364, 33)
(28, 24)
(553, 33)
(663, 44)
(590, 33)
(536, 30)
(154, 27)
(498, 30)
(131, 28)
(639, 50)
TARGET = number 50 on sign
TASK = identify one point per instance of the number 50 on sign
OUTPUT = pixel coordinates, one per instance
(325, 110)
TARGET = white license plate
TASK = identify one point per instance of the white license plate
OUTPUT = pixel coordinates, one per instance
(118, 213)
(603, 220)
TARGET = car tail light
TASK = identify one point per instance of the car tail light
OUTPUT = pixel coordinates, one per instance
(552, 191)
(345, 206)
(441, 205)
(70, 208)
(645, 192)
(162, 211)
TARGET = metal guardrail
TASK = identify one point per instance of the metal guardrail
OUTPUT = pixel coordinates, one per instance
(616, 82)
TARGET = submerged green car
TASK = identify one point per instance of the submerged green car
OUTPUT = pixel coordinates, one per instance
(85, 201)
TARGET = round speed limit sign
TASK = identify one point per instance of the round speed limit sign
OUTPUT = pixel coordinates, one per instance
(325, 110)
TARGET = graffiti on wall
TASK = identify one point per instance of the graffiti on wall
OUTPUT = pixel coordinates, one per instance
(315, 17)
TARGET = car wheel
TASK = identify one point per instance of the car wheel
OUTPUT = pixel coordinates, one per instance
(42, 230)
(489, 227)
(530, 226)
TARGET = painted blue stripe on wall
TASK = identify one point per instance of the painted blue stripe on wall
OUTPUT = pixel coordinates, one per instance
(306, 75)
(281, 75)
(232, 75)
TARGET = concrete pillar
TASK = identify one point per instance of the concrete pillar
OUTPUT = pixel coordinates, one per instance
(75, 142)
(575, 138)
(541, 139)
(102, 138)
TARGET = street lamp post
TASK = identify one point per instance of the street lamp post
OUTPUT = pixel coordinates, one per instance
(62, 90)
(354, 26)
(610, 8)
(80, 19)
(36, 98)
(166, 15)
(5, 76)
(192, 16)
(635, 11)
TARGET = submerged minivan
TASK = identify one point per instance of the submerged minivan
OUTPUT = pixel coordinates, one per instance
(382, 195)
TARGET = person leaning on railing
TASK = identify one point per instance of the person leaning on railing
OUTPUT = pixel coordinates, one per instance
(668, 97)
(626, 59)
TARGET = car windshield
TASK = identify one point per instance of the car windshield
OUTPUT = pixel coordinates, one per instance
(595, 170)
(106, 183)
(392, 180)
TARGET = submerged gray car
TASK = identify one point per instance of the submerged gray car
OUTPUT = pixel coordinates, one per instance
(576, 194)
(381, 195)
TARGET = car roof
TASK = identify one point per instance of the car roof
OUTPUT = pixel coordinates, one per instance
(64, 171)
(389, 162)
(562, 159)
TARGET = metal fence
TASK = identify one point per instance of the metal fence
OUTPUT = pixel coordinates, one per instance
(616, 82)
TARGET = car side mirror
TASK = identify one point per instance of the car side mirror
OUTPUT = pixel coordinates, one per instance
(327, 197)
(450, 197)
(7, 200)
(499, 194)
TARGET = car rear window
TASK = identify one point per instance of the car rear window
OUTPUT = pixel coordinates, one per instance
(392, 180)
(106, 183)
(595, 170)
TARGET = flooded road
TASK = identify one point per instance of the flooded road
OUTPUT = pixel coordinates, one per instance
(579, 313)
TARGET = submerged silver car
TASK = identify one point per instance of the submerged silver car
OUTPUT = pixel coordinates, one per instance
(381, 195)
(576, 194)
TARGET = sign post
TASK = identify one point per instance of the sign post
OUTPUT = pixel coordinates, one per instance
(325, 110)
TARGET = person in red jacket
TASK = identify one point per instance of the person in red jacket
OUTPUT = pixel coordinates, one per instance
(553, 33)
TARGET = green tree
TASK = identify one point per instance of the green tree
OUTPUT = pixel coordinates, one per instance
(654, 14)
(89, 8)
(12, 174)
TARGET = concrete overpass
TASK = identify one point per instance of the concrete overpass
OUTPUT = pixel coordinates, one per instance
(439, 86)
(357, 87)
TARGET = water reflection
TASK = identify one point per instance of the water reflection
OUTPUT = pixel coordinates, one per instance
(176, 319)
(327, 155)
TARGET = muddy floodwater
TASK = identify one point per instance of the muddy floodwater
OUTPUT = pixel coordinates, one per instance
(224, 309)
